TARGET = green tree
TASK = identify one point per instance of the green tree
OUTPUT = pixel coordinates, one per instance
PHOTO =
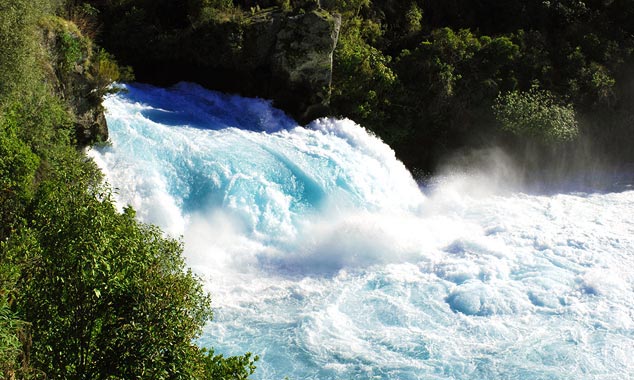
(536, 114)
(218, 367)
(108, 297)
(362, 77)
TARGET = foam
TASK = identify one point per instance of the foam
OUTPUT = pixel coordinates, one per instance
(324, 257)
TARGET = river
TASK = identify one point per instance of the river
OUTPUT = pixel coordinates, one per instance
(326, 258)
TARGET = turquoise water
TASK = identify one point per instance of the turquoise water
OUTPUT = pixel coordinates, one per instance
(326, 258)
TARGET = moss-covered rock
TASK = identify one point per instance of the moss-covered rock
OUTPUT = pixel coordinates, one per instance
(303, 55)
(74, 67)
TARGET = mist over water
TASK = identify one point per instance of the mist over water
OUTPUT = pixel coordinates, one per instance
(326, 258)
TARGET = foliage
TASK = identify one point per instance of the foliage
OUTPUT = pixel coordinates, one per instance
(361, 74)
(199, 10)
(19, 81)
(350, 8)
(70, 49)
(10, 346)
(105, 71)
(17, 176)
(40, 119)
(85, 17)
(536, 114)
(15, 333)
(285, 5)
(79, 62)
(414, 17)
(18, 43)
(18, 166)
(85, 291)
(109, 297)
(218, 367)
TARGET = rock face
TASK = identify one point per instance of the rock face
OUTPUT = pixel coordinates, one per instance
(91, 126)
(303, 56)
(287, 57)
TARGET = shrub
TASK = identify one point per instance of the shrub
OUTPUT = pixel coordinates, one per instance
(17, 175)
(71, 51)
(10, 347)
(18, 44)
(536, 114)
(105, 70)
(107, 297)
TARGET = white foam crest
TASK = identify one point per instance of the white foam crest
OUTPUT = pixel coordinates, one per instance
(377, 165)
(285, 186)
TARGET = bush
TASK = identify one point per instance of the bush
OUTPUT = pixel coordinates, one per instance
(70, 51)
(217, 367)
(105, 71)
(15, 334)
(17, 176)
(18, 44)
(536, 114)
(101, 295)
(108, 297)
(10, 347)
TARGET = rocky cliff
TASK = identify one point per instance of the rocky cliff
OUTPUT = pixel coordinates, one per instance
(296, 51)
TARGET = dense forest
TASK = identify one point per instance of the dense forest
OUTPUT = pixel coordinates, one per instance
(88, 292)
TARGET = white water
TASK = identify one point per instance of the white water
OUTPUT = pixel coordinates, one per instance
(325, 258)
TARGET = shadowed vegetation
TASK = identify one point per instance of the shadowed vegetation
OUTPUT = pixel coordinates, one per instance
(86, 291)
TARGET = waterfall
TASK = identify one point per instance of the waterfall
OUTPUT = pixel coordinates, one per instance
(325, 257)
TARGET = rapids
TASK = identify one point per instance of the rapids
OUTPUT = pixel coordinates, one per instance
(325, 257)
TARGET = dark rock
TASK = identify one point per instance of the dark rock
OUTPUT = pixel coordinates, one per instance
(288, 58)
(306, 5)
(91, 127)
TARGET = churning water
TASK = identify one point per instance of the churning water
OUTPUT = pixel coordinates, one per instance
(327, 259)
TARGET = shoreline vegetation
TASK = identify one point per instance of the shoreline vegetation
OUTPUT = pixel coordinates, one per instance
(88, 292)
